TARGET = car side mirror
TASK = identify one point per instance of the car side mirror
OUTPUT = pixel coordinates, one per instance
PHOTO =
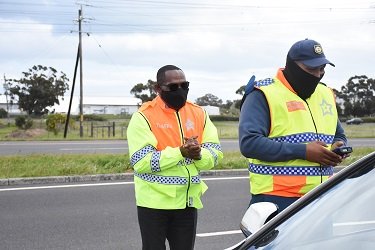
(256, 216)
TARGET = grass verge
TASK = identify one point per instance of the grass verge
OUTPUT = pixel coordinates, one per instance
(226, 130)
(41, 165)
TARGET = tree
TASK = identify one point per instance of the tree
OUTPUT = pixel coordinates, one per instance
(38, 89)
(340, 111)
(359, 96)
(240, 91)
(209, 99)
(145, 92)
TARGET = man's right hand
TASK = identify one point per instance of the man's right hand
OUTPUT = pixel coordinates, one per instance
(317, 152)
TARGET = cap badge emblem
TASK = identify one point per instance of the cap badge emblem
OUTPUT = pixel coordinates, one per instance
(318, 49)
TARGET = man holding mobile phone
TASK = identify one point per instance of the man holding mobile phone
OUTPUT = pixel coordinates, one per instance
(289, 126)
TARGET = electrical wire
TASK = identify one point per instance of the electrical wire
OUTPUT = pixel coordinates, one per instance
(154, 16)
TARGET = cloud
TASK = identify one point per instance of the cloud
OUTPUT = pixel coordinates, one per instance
(219, 44)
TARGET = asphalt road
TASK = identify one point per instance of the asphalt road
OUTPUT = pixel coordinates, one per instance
(111, 146)
(103, 215)
(97, 216)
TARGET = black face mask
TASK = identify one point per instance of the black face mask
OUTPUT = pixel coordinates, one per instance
(175, 99)
(302, 82)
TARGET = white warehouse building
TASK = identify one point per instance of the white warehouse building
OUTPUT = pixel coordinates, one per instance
(91, 105)
(212, 110)
(100, 105)
(97, 105)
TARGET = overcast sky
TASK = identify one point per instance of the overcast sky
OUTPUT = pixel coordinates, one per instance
(219, 44)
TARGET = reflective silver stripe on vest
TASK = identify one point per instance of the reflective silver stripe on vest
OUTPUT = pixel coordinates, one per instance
(210, 146)
(137, 156)
(155, 161)
(175, 180)
(305, 137)
(282, 170)
(155, 157)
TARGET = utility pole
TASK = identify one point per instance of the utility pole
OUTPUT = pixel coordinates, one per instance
(6, 88)
(79, 59)
(71, 94)
(80, 73)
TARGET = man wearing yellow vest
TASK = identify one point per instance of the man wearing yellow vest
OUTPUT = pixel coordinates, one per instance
(288, 127)
(170, 140)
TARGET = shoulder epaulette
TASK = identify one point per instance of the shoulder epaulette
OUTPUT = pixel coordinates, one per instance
(264, 82)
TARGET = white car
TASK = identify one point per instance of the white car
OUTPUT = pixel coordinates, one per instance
(338, 214)
(355, 121)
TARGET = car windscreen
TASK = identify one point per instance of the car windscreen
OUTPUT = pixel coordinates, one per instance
(342, 218)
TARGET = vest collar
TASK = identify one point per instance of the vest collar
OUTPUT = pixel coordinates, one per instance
(283, 80)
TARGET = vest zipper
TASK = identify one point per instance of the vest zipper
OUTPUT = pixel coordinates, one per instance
(316, 133)
(188, 201)
(312, 118)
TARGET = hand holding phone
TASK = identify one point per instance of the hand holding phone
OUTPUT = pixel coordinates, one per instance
(342, 151)
(191, 148)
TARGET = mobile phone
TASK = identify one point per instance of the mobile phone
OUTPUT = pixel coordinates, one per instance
(343, 150)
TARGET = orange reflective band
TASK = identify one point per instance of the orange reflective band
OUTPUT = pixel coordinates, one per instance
(288, 186)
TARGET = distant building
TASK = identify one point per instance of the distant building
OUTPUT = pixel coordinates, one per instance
(91, 105)
(100, 105)
(13, 108)
(212, 110)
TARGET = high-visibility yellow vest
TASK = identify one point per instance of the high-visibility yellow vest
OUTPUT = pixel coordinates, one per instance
(163, 178)
(294, 121)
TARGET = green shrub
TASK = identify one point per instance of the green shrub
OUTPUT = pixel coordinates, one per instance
(93, 117)
(23, 122)
(29, 123)
(20, 121)
(3, 113)
(55, 122)
(368, 119)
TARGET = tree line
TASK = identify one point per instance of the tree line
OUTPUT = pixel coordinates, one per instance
(40, 88)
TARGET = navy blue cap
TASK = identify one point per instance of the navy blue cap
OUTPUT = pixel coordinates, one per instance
(308, 52)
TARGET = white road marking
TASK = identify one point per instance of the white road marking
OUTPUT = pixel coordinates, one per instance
(219, 233)
(56, 143)
(92, 149)
(102, 184)
(225, 178)
(66, 186)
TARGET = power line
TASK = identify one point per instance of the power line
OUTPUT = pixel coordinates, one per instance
(128, 16)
